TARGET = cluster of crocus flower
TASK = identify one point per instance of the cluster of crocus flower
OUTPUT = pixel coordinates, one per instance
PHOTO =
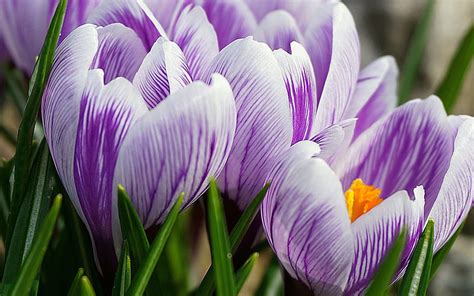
(161, 95)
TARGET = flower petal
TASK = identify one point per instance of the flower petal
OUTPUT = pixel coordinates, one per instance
(335, 139)
(120, 52)
(264, 126)
(376, 231)
(456, 194)
(410, 147)
(197, 38)
(231, 20)
(133, 14)
(305, 219)
(176, 148)
(106, 114)
(333, 45)
(278, 29)
(61, 101)
(166, 10)
(163, 71)
(376, 93)
(300, 84)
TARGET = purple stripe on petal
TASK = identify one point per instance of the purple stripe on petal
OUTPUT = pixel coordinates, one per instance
(376, 231)
(335, 139)
(176, 148)
(105, 116)
(197, 38)
(132, 14)
(306, 222)
(231, 20)
(264, 126)
(163, 71)
(411, 147)
(376, 93)
(300, 84)
(456, 194)
(333, 45)
(120, 52)
(278, 29)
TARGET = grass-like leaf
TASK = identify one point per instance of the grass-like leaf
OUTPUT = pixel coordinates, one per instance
(244, 272)
(24, 149)
(76, 283)
(31, 212)
(81, 286)
(236, 236)
(123, 275)
(441, 254)
(272, 282)
(146, 269)
(453, 80)
(417, 275)
(382, 279)
(32, 264)
(415, 52)
(219, 243)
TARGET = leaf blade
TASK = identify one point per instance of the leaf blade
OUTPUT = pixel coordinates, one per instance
(441, 254)
(124, 272)
(244, 272)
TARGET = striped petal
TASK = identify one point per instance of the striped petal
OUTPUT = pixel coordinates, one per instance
(264, 126)
(231, 20)
(176, 147)
(335, 139)
(163, 71)
(333, 45)
(61, 101)
(375, 95)
(306, 222)
(410, 147)
(376, 231)
(120, 52)
(166, 11)
(197, 38)
(278, 29)
(106, 114)
(133, 14)
(456, 194)
(300, 85)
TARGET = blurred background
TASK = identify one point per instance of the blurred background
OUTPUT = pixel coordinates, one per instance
(385, 28)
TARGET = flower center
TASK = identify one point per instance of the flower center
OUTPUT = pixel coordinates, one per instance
(361, 198)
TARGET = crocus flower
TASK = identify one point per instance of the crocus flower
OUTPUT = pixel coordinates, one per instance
(24, 23)
(114, 113)
(331, 226)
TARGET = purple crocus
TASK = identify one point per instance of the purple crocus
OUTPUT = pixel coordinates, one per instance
(24, 23)
(114, 113)
(330, 226)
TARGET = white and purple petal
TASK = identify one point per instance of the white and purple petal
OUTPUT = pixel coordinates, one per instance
(334, 139)
(300, 85)
(410, 147)
(457, 191)
(278, 29)
(264, 126)
(376, 231)
(306, 222)
(375, 95)
(197, 38)
(131, 13)
(163, 71)
(333, 45)
(177, 147)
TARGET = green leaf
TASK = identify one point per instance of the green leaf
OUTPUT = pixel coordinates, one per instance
(417, 275)
(441, 254)
(76, 283)
(453, 80)
(31, 213)
(272, 282)
(238, 232)
(244, 272)
(415, 52)
(23, 156)
(33, 261)
(219, 243)
(81, 287)
(382, 279)
(123, 275)
(146, 269)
